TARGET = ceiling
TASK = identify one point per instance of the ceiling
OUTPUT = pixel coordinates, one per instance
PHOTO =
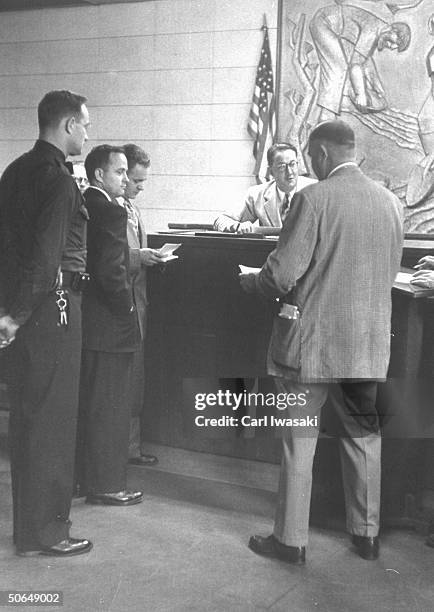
(21, 5)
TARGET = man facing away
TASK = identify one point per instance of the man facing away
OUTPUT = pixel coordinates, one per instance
(111, 335)
(268, 203)
(141, 257)
(333, 267)
(42, 261)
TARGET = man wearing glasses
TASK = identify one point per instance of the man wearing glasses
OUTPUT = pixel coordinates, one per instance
(267, 204)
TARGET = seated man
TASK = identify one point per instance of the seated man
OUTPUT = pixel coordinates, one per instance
(269, 202)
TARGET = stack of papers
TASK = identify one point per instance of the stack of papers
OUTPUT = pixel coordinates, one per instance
(403, 278)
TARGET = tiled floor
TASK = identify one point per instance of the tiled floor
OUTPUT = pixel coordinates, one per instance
(184, 549)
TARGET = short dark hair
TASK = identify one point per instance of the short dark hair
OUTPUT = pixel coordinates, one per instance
(99, 157)
(403, 32)
(276, 148)
(136, 155)
(56, 105)
(335, 131)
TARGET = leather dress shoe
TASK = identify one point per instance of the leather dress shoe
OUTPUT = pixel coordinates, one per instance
(65, 548)
(120, 498)
(143, 460)
(368, 548)
(271, 547)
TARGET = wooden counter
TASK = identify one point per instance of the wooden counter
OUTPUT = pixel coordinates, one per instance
(205, 333)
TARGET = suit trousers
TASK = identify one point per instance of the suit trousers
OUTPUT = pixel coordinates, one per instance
(44, 371)
(360, 453)
(137, 390)
(104, 420)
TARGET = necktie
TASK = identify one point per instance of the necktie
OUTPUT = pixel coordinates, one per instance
(132, 216)
(285, 207)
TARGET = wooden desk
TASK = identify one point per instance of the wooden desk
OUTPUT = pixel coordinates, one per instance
(203, 328)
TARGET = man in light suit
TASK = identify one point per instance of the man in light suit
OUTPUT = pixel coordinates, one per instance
(333, 267)
(267, 204)
(140, 258)
(111, 334)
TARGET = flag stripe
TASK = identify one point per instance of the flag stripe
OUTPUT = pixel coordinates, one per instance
(261, 124)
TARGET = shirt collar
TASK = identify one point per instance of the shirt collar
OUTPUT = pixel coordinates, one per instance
(102, 191)
(281, 194)
(343, 165)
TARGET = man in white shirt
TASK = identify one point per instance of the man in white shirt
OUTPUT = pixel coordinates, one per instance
(267, 204)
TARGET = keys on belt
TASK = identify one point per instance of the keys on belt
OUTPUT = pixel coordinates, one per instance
(62, 305)
(72, 280)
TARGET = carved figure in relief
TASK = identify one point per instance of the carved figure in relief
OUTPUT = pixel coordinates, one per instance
(420, 190)
(346, 38)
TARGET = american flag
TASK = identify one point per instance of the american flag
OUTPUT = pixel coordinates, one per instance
(262, 122)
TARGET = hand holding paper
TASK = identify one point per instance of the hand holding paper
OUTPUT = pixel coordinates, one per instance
(166, 252)
(150, 257)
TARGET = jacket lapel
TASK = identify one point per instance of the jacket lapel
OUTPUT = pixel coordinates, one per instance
(271, 205)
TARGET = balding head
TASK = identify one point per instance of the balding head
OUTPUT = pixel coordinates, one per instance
(331, 143)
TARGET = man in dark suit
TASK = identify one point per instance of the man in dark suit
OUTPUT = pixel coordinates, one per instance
(42, 261)
(141, 257)
(334, 266)
(111, 334)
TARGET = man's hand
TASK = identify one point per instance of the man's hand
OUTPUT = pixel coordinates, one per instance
(425, 263)
(150, 257)
(423, 278)
(245, 228)
(8, 329)
(248, 282)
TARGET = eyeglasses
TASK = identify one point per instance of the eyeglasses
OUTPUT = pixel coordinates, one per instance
(281, 167)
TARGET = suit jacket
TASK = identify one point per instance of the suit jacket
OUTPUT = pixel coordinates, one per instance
(262, 204)
(338, 254)
(138, 270)
(110, 321)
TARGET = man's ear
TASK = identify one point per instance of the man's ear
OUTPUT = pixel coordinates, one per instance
(70, 124)
(324, 151)
(99, 174)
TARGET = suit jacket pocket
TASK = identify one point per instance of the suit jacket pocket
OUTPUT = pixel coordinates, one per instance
(286, 342)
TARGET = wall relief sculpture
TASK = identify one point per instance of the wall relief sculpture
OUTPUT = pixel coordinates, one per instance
(370, 62)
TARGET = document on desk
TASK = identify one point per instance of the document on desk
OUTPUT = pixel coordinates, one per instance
(248, 269)
(403, 278)
(403, 282)
(167, 251)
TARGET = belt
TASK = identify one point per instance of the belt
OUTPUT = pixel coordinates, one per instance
(76, 281)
